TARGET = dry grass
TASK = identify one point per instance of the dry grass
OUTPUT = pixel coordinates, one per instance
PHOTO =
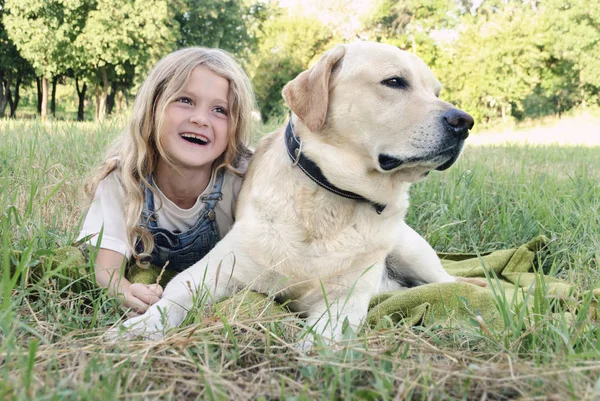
(51, 331)
(389, 364)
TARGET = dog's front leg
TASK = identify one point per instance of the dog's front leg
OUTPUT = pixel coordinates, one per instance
(341, 306)
(167, 313)
(212, 278)
(412, 260)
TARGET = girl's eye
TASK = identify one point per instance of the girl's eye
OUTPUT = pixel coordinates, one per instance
(184, 99)
(221, 110)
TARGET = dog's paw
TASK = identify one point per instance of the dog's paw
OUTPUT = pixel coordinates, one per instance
(148, 326)
(472, 280)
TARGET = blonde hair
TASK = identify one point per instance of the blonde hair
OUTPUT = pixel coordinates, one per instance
(137, 151)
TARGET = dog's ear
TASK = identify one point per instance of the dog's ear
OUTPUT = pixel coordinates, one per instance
(308, 94)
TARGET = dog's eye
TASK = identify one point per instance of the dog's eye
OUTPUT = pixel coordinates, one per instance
(395, 82)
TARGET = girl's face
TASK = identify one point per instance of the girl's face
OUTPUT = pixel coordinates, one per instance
(196, 123)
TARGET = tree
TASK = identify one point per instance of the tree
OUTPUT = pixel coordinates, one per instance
(572, 45)
(14, 71)
(495, 64)
(287, 46)
(226, 24)
(43, 31)
(416, 25)
(122, 39)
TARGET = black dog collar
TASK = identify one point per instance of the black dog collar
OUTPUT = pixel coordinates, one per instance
(310, 168)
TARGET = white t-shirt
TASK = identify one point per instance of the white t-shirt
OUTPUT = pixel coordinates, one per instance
(108, 210)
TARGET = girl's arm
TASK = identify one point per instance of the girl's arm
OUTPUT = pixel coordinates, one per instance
(136, 296)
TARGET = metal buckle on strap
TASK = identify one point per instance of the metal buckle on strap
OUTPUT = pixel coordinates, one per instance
(297, 153)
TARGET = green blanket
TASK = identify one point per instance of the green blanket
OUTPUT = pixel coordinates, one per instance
(512, 282)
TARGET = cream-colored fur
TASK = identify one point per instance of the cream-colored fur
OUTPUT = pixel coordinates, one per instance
(300, 242)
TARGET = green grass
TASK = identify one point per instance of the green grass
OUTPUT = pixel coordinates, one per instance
(51, 326)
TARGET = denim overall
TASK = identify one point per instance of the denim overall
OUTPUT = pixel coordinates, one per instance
(184, 249)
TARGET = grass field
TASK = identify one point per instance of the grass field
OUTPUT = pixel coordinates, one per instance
(495, 197)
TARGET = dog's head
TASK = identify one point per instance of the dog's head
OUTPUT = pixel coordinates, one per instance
(382, 104)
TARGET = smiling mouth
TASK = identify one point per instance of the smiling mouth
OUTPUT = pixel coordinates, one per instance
(195, 139)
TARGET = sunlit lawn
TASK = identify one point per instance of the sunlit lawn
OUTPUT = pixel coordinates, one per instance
(495, 197)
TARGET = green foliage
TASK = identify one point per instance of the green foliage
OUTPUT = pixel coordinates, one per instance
(498, 59)
(493, 81)
(287, 46)
(121, 40)
(501, 59)
(413, 25)
(14, 69)
(228, 24)
(44, 30)
(123, 34)
(572, 31)
(53, 335)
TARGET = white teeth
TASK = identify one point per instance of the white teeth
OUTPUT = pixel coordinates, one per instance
(196, 137)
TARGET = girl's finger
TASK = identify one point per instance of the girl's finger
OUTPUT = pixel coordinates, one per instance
(131, 313)
(156, 288)
(144, 294)
(134, 302)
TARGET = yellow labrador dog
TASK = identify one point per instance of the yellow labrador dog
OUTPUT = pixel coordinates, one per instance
(323, 203)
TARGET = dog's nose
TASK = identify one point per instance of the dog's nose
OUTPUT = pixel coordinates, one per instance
(458, 123)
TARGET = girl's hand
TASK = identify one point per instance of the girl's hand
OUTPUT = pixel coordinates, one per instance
(139, 297)
(136, 297)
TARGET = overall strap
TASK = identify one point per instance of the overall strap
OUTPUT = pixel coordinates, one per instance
(215, 194)
(210, 199)
(148, 217)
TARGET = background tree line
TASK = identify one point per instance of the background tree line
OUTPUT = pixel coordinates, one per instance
(498, 59)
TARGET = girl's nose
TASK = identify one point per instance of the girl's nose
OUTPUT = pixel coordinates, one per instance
(199, 117)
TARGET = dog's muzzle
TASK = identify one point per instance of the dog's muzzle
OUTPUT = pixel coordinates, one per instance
(451, 157)
(456, 124)
(435, 160)
(387, 162)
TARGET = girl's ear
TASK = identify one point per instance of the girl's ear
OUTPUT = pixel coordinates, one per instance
(308, 94)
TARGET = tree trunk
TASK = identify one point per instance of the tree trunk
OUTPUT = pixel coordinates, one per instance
(582, 90)
(44, 109)
(3, 100)
(110, 99)
(119, 103)
(97, 97)
(15, 102)
(583, 101)
(504, 113)
(39, 93)
(4, 88)
(53, 99)
(103, 97)
(81, 96)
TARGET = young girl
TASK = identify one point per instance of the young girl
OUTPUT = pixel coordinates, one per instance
(167, 189)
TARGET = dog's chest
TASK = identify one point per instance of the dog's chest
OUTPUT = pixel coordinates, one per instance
(300, 247)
